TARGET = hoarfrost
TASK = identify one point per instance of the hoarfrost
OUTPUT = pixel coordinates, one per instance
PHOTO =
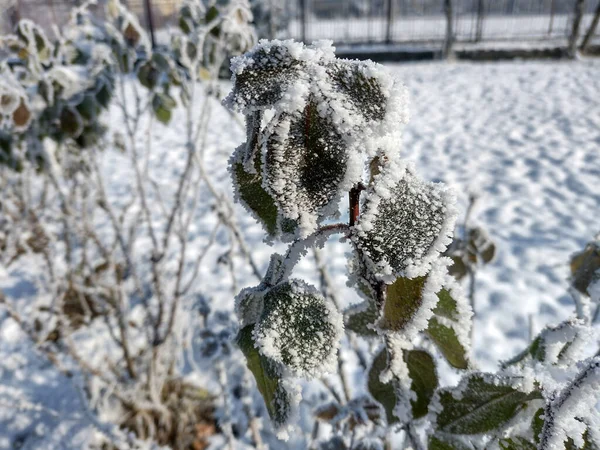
(406, 223)
(299, 328)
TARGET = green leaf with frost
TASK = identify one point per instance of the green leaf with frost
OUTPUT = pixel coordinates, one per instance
(253, 195)
(516, 443)
(446, 306)
(424, 380)
(299, 328)
(480, 404)
(268, 380)
(383, 393)
(361, 92)
(537, 424)
(162, 105)
(262, 83)
(401, 229)
(438, 442)
(358, 318)
(446, 339)
(305, 163)
(403, 300)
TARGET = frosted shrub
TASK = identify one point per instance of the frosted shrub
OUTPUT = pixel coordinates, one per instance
(319, 128)
(118, 305)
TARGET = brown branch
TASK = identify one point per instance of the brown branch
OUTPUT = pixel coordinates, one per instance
(354, 197)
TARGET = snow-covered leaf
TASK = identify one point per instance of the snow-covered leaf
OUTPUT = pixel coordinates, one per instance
(516, 443)
(447, 341)
(445, 442)
(404, 223)
(299, 328)
(268, 380)
(252, 195)
(362, 93)
(424, 380)
(305, 165)
(585, 268)
(383, 393)
(537, 424)
(481, 403)
(261, 76)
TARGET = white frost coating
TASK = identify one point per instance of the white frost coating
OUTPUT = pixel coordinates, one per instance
(579, 400)
(71, 79)
(398, 341)
(300, 329)
(462, 324)
(294, 397)
(405, 224)
(309, 162)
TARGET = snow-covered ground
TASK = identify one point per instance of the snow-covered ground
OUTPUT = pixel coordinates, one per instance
(524, 135)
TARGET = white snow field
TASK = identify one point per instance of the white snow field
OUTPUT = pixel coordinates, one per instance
(525, 136)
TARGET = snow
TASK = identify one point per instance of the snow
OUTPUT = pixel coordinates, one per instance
(526, 135)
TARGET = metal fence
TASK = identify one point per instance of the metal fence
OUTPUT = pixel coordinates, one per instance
(356, 22)
(424, 22)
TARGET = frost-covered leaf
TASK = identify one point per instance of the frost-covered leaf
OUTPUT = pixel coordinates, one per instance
(447, 341)
(299, 328)
(261, 76)
(405, 223)
(537, 424)
(445, 442)
(516, 443)
(71, 122)
(554, 344)
(162, 105)
(383, 393)
(403, 300)
(268, 380)
(585, 268)
(362, 93)
(480, 403)
(458, 269)
(480, 245)
(449, 328)
(358, 318)
(446, 306)
(424, 380)
(371, 443)
(249, 190)
(306, 163)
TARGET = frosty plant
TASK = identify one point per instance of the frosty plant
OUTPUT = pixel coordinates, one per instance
(319, 128)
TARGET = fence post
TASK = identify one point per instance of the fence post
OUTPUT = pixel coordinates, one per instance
(390, 20)
(572, 48)
(449, 28)
(552, 10)
(479, 28)
(148, 8)
(592, 29)
(303, 19)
